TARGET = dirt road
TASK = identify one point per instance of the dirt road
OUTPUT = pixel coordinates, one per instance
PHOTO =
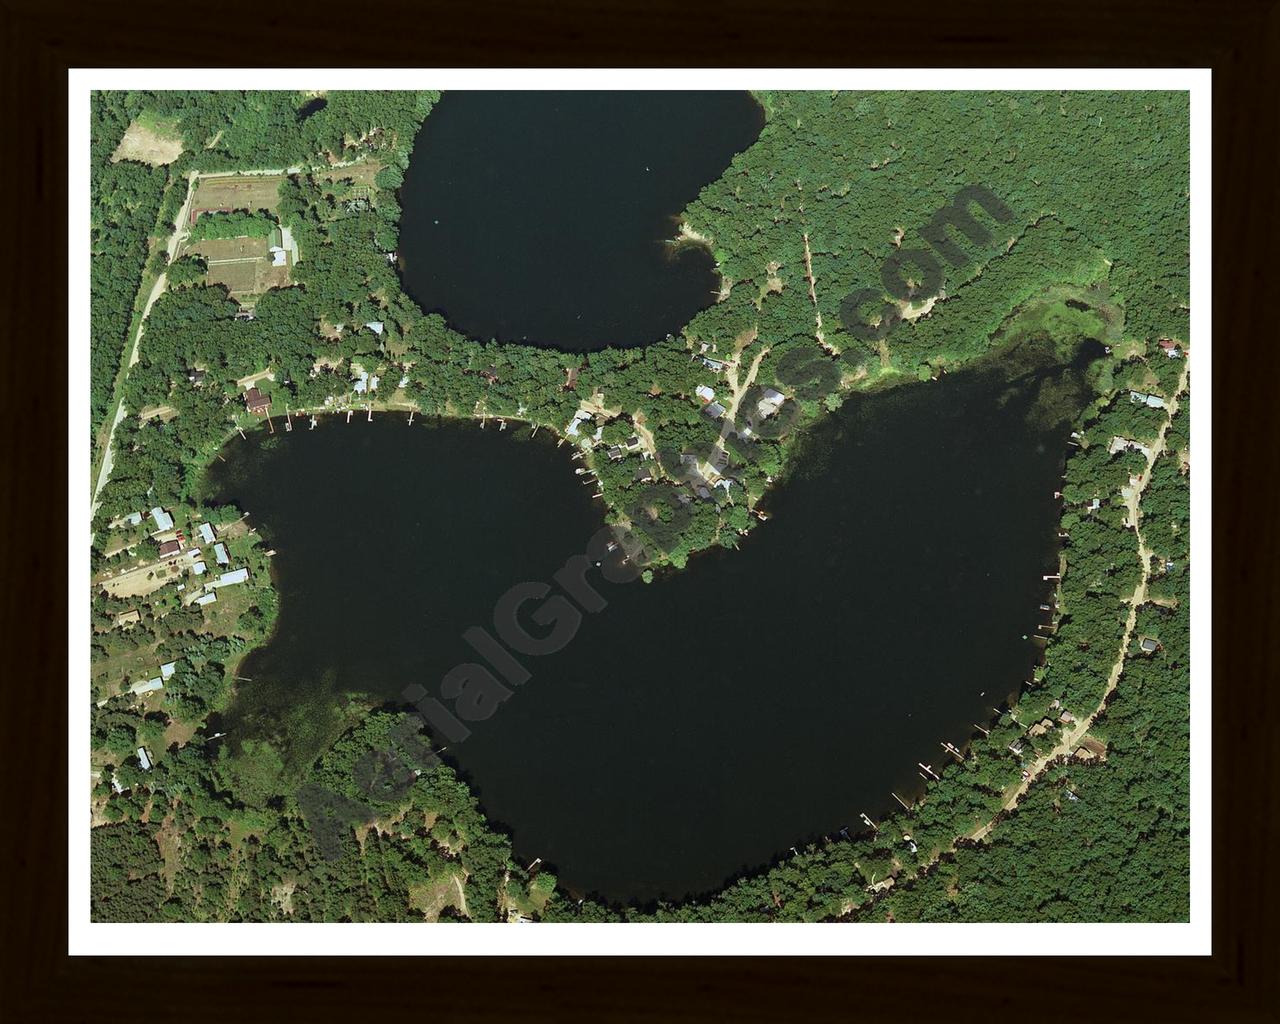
(171, 247)
(1071, 738)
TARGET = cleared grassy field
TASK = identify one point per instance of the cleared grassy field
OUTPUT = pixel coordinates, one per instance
(237, 192)
(221, 616)
(243, 265)
(111, 674)
(239, 278)
(223, 250)
(361, 174)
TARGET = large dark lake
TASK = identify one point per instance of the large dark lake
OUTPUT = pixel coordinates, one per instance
(705, 723)
(547, 217)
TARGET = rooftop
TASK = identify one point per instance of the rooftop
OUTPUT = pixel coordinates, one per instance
(228, 578)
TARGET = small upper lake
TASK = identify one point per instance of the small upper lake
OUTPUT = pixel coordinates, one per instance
(547, 217)
(705, 723)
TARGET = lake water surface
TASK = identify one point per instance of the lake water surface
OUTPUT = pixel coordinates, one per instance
(702, 724)
(547, 217)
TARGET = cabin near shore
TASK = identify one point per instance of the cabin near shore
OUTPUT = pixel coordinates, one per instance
(256, 402)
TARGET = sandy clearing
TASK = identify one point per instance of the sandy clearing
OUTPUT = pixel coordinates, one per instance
(146, 146)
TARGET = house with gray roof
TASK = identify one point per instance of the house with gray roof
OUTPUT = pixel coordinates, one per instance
(228, 579)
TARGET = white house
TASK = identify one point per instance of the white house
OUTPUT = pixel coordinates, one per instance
(162, 519)
(229, 578)
(206, 533)
(770, 402)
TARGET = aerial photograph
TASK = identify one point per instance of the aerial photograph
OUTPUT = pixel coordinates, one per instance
(605, 506)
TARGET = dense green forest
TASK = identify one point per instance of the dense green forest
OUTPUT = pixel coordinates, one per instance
(125, 202)
(235, 224)
(811, 227)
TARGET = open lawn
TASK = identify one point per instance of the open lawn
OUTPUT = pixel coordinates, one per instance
(221, 616)
(179, 733)
(231, 250)
(362, 173)
(108, 674)
(239, 277)
(237, 192)
(243, 265)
